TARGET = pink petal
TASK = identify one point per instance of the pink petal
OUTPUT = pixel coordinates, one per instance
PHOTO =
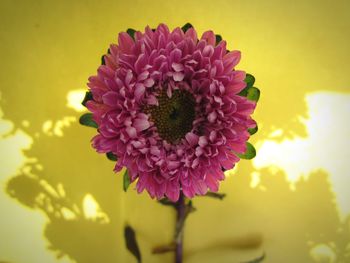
(177, 67)
(192, 34)
(110, 98)
(200, 187)
(202, 141)
(212, 116)
(125, 42)
(173, 191)
(209, 36)
(140, 63)
(213, 136)
(152, 100)
(155, 150)
(231, 59)
(178, 76)
(191, 138)
(139, 90)
(143, 76)
(131, 131)
(208, 51)
(175, 55)
(141, 124)
(149, 83)
(212, 183)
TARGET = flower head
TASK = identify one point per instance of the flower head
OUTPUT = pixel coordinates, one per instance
(167, 105)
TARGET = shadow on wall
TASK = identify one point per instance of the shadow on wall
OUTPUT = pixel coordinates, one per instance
(66, 190)
(86, 208)
(83, 202)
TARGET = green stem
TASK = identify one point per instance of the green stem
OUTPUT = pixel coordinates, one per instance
(180, 221)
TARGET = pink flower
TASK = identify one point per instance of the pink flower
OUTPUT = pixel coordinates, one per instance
(167, 105)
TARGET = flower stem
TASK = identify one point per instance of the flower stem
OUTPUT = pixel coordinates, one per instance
(180, 221)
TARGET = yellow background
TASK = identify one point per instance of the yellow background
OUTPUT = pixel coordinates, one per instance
(61, 202)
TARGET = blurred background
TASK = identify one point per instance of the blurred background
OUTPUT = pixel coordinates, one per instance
(61, 202)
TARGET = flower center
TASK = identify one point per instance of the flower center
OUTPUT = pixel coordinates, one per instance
(173, 116)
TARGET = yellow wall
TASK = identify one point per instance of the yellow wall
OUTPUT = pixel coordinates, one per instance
(61, 202)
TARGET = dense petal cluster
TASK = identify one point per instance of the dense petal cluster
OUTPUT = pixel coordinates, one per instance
(145, 70)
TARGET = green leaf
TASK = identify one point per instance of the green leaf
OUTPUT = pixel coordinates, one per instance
(87, 120)
(257, 260)
(88, 96)
(218, 39)
(249, 79)
(131, 32)
(126, 181)
(253, 130)
(250, 152)
(253, 94)
(131, 242)
(111, 156)
(186, 27)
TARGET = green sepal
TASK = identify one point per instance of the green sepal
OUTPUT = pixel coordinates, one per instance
(131, 242)
(88, 96)
(103, 60)
(249, 154)
(249, 80)
(126, 181)
(253, 130)
(111, 156)
(186, 27)
(131, 32)
(253, 94)
(87, 120)
(218, 39)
